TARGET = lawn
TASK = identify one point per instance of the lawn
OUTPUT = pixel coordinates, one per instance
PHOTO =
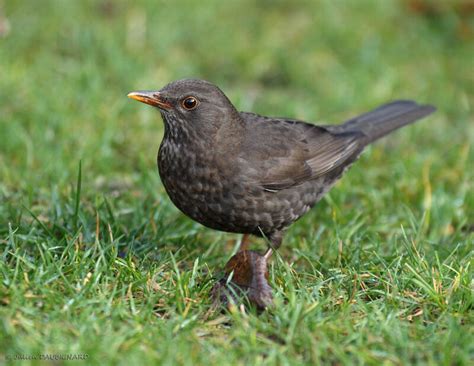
(96, 261)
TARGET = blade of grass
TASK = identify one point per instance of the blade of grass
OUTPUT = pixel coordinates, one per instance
(78, 195)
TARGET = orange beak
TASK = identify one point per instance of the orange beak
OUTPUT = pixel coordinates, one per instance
(150, 97)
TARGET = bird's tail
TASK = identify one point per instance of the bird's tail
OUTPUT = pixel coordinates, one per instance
(386, 118)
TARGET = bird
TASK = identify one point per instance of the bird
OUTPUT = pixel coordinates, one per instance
(246, 173)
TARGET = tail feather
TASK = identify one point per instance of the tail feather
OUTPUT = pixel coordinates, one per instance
(386, 118)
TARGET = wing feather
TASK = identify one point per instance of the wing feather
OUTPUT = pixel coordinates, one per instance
(299, 153)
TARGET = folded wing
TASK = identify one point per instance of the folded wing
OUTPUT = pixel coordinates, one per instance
(283, 153)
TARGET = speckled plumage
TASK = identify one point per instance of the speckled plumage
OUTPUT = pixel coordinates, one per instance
(241, 172)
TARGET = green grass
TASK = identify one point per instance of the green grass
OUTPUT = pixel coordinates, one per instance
(96, 260)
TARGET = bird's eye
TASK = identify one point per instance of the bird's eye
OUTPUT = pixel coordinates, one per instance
(189, 103)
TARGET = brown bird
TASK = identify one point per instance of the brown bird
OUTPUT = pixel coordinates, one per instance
(246, 173)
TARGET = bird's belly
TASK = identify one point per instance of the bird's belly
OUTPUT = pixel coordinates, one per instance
(215, 203)
(235, 206)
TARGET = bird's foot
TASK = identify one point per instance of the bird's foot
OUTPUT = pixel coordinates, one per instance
(248, 275)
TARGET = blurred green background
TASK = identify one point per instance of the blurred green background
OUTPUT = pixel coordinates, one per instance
(65, 70)
(67, 66)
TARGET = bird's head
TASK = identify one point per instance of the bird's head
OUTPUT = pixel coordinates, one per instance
(190, 104)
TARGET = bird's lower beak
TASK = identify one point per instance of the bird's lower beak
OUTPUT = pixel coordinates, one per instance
(150, 97)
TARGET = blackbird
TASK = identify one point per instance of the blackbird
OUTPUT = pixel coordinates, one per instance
(246, 173)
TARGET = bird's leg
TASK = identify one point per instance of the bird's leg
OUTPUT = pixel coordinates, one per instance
(244, 242)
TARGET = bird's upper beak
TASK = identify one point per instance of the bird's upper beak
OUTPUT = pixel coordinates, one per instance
(153, 98)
